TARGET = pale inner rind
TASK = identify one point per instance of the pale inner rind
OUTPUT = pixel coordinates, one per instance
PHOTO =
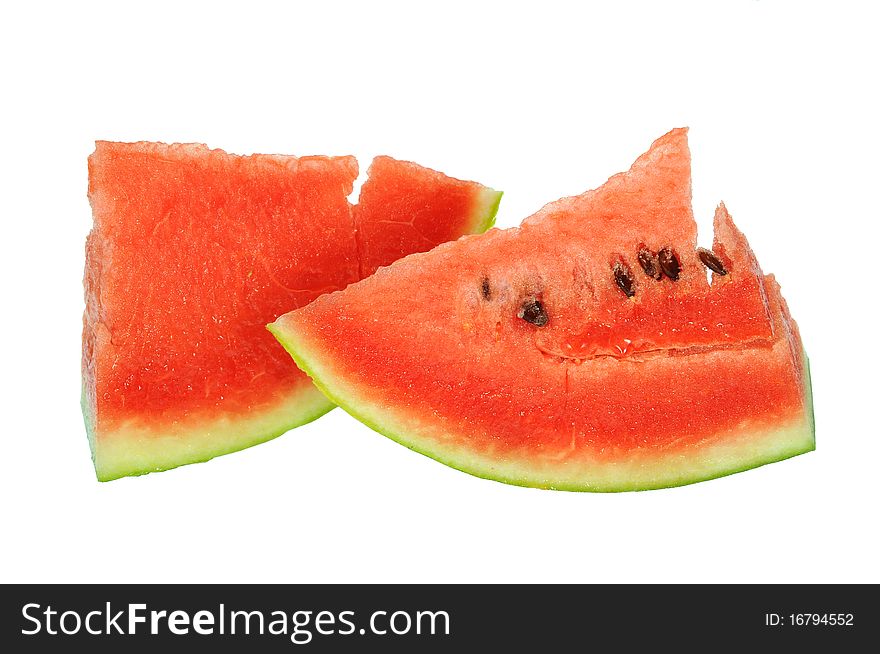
(136, 448)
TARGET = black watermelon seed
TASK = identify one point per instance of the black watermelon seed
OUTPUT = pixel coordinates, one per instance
(711, 261)
(669, 263)
(532, 311)
(650, 263)
(624, 278)
(486, 289)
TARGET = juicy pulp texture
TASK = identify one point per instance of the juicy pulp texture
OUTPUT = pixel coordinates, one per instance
(687, 380)
(400, 209)
(192, 252)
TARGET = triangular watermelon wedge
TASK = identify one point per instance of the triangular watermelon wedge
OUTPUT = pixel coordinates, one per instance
(193, 250)
(584, 350)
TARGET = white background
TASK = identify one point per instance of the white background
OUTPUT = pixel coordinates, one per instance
(539, 99)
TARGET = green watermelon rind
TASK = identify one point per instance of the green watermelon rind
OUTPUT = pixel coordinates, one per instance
(322, 376)
(111, 468)
(486, 210)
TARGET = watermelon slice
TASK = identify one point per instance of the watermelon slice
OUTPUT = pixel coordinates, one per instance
(193, 251)
(585, 350)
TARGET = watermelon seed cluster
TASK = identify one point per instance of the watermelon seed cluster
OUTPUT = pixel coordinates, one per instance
(663, 262)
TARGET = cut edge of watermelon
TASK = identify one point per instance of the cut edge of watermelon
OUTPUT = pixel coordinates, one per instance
(485, 210)
(134, 450)
(779, 442)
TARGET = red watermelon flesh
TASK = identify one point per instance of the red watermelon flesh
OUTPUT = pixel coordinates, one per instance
(404, 207)
(518, 356)
(192, 252)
